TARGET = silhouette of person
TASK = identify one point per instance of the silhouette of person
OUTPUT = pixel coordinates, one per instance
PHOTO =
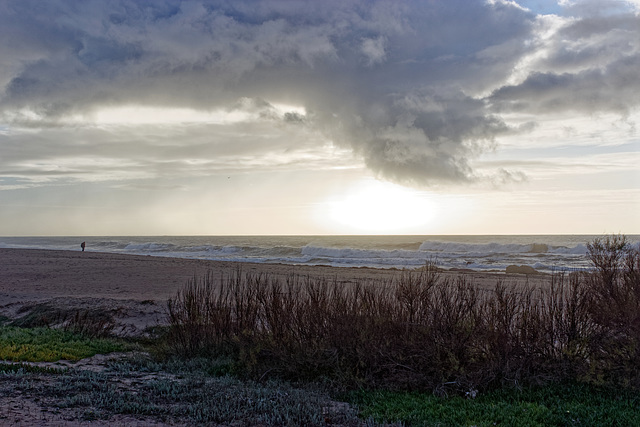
(82, 245)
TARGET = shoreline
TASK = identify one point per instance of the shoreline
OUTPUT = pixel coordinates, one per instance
(138, 286)
(547, 254)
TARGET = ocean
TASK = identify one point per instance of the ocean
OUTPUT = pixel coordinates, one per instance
(545, 253)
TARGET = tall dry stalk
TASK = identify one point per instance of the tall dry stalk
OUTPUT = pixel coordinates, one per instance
(419, 330)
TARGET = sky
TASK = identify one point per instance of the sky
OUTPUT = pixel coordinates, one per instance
(280, 117)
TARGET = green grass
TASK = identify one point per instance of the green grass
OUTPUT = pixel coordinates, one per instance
(50, 345)
(557, 405)
(193, 390)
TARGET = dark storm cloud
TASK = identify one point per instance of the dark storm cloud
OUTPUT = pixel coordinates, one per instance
(612, 89)
(591, 66)
(400, 83)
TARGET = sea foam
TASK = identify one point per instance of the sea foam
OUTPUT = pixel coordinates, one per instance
(544, 253)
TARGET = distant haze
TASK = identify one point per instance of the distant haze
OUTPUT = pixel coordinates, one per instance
(319, 117)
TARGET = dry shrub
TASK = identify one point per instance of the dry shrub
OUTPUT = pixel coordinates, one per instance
(614, 307)
(420, 331)
(89, 322)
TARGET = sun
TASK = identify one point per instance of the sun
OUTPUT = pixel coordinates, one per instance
(376, 207)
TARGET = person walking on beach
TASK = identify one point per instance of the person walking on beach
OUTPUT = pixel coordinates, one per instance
(82, 245)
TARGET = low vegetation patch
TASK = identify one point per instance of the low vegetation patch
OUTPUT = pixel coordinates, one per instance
(555, 405)
(176, 392)
(88, 322)
(24, 368)
(50, 345)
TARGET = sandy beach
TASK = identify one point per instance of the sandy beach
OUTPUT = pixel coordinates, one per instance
(136, 288)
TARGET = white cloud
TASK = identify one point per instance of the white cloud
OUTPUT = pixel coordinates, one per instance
(374, 50)
(138, 115)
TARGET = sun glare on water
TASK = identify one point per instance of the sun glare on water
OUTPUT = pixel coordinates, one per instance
(376, 207)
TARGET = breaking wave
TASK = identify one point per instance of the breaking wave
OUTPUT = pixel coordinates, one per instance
(544, 253)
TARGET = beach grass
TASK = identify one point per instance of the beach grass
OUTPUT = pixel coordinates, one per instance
(50, 345)
(87, 322)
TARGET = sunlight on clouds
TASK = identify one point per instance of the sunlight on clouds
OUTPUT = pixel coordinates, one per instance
(546, 28)
(21, 115)
(139, 115)
(135, 115)
(373, 206)
(283, 109)
(603, 129)
(86, 169)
